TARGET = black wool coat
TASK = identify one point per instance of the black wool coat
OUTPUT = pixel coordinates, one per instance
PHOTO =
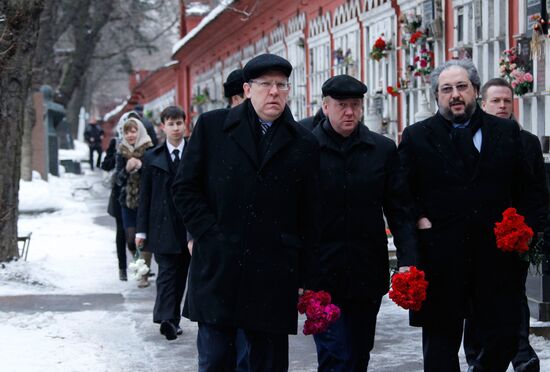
(254, 222)
(360, 183)
(157, 213)
(464, 268)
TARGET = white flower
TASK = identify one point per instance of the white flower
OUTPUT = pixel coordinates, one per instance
(138, 268)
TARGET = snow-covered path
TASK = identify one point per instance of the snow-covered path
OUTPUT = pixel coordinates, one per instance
(71, 313)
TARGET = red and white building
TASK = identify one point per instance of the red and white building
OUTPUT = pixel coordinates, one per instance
(322, 38)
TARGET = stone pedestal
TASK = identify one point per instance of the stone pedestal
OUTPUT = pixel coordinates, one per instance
(538, 293)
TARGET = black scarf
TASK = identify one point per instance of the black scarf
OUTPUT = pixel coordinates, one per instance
(463, 140)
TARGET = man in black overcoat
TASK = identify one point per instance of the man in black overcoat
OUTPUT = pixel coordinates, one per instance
(160, 225)
(464, 168)
(497, 98)
(248, 193)
(94, 136)
(361, 181)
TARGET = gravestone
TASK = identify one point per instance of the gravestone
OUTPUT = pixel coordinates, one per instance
(54, 113)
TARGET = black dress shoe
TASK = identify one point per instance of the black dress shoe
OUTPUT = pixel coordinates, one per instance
(179, 331)
(169, 330)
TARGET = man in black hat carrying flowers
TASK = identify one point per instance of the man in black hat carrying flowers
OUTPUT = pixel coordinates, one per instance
(248, 190)
(464, 168)
(361, 181)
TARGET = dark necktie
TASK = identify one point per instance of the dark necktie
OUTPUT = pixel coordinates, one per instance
(176, 160)
(264, 127)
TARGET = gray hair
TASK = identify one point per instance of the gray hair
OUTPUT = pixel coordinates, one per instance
(465, 64)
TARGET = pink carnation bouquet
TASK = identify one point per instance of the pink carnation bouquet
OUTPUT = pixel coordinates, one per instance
(319, 310)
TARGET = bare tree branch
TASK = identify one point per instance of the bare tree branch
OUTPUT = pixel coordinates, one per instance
(245, 13)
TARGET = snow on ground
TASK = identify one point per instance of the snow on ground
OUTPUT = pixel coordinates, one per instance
(65, 309)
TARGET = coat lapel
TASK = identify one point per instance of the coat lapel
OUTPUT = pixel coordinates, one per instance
(439, 138)
(160, 159)
(490, 136)
(236, 124)
(281, 137)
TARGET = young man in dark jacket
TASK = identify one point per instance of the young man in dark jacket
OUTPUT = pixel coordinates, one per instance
(159, 224)
(497, 98)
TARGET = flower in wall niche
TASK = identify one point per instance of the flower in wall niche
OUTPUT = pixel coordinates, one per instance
(538, 22)
(392, 91)
(417, 37)
(536, 37)
(410, 22)
(410, 33)
(380, 48)
(512, 71)
(423, 62)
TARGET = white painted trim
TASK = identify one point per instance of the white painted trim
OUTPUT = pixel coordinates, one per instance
(202, 24)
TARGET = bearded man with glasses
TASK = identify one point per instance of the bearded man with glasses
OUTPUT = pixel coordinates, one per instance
(248, 192)
(464, 168)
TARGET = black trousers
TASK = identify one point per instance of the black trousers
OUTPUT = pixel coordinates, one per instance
(99, 151)
(267, 352)
(441, 343)
(120, 244)
(171, 281)
(346, 345)
(524, 353)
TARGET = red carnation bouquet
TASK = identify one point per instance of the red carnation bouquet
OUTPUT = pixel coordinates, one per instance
(512, 233)
(319, 311)
(408, 289)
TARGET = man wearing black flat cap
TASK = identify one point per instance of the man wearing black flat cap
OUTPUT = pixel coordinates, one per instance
(361, 182)
(248, 191)
(233, 88)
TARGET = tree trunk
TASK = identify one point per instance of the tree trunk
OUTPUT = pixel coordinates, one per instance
(26, 143)
(73, 108)
(42, 73)
(19, 23)
(86, 32)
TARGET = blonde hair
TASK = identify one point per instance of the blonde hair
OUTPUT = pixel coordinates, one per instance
(128, 125)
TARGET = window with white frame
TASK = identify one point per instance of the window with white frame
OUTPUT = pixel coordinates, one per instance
(346, 36)
(319, 58)
(297, 57)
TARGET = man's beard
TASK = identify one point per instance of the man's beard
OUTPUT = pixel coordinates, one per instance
(469, 109)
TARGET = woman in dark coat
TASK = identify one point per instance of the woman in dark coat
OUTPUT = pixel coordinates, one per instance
(128, 170)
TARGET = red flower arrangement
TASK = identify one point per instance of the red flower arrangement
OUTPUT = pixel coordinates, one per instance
(512, 233)
(319, 311)
(418, 35)
(424, 62)
(408, 289)
(380, 48)
(392, 91)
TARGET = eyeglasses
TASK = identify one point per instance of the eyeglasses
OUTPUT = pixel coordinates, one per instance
(448, 89)
(281, 85)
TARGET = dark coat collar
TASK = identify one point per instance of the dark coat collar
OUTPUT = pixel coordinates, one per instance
(439, 136)
(237, 126)
(161, 157)
(364, 136)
